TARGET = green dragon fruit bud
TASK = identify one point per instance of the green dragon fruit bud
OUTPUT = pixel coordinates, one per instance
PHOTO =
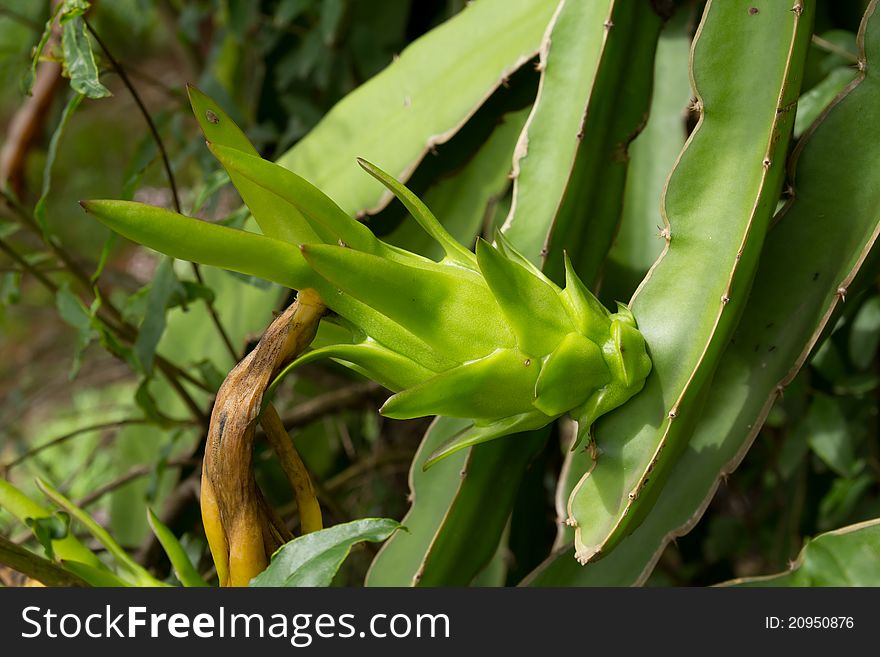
(484, 336)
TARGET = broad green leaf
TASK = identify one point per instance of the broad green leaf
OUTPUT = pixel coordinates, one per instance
(79, 59)
(23, 508)
(797, 290)
(183, 567)
(134, 572)
(313, 559)
(717, 206)
(420, 100)
(845, 557)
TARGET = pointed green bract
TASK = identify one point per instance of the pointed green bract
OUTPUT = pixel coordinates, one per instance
(205, 243)
(499, 385)
(447, 307)
(569, 375)
(481, 433)
(283, 223)
(586, 313)
(420, 212)
(530, 304)
(283, 189)
(217, 126)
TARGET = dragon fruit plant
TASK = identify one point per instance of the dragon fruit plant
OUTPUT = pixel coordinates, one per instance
(483, 336)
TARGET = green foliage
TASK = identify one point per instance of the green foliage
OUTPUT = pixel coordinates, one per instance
(846, 557)
(314, 559)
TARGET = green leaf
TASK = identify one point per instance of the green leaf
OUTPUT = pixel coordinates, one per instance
(30, 76)
(73, 311)
(199, 241)
(422, 99)
(80, 60)
(164, 288)
(828, 435)
(845, 557)
(24, 508)
(183, 567)
(51, 154)
(134, 572)
(10, 288)
(864, 336)
(49, 529)
(313, 559)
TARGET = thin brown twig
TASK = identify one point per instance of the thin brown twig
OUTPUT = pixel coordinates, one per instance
(42, 270)
(166, 162)
(68, 436)
(26, 266)
(136, 472)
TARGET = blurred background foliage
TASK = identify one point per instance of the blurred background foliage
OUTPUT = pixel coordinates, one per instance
(278, 66)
